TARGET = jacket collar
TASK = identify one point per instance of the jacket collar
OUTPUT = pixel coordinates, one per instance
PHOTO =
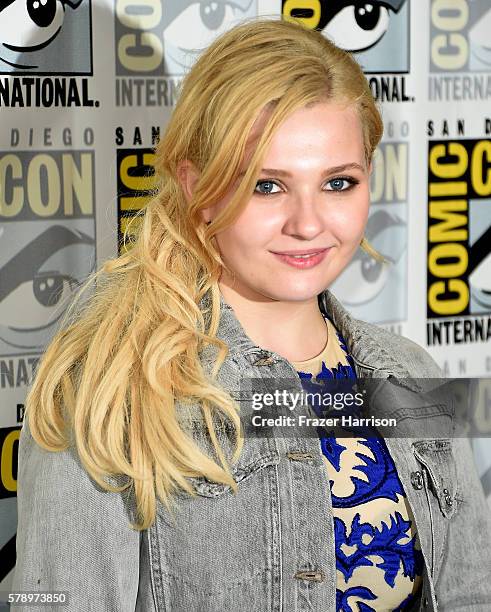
(365, 341)
(362, 339)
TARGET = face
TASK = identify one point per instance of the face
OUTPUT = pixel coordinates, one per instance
(312, 194)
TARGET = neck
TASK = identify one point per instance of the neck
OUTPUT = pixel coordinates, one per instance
(295, 330)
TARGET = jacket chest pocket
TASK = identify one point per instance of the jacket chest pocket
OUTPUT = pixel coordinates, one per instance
(222, 552)
(438, 478)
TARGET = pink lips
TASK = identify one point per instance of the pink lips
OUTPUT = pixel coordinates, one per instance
(315, 257)
(300, 251)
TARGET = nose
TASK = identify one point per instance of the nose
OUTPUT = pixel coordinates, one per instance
(304, 218)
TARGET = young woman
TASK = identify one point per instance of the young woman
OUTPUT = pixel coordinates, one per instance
(136, 487)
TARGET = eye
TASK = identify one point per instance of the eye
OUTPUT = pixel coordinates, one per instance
(365, 278)
(42, 12)
(268, 185)
(337, 183)
(42, 276)
(36, 23)
(45, 296)
(361, 281)
(358, 26)
(479, 40)
(480, 285)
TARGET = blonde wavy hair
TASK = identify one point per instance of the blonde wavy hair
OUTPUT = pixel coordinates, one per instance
(110, 379)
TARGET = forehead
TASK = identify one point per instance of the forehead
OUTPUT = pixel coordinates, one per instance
(328, 130)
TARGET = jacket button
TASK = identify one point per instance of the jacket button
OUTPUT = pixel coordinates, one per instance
(264, 358)
(448, 498)
(417, 480)
(297, 456)
(313, 576)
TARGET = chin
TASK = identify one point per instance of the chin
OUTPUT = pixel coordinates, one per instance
(299, 294)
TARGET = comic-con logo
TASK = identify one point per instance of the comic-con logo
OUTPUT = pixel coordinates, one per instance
(152, 40)
(45, 36)
(459, 36)
(9, 444)
(136, 184)
(459, 240)
(47, 244)
(377, 31)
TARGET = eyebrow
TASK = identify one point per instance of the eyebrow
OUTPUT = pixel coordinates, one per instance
(333, 170)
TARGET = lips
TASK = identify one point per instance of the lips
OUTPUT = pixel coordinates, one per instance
(303, 260)
(300, 252)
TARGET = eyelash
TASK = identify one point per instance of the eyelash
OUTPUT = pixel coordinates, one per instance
(351, 180)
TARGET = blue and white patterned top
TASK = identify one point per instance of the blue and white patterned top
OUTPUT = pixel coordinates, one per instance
(378, 556)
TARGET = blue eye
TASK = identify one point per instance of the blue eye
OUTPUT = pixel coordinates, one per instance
(267, 184)
(340, 183)
(337, 183)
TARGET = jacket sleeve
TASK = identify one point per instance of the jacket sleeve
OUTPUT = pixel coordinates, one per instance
(464, 582)
(71, 535)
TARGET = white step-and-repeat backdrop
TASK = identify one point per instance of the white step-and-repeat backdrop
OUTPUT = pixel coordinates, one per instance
(86, 86)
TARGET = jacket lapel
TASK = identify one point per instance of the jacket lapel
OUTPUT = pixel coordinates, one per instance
(363, 340)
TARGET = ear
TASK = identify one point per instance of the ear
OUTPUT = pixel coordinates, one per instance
(188, 176)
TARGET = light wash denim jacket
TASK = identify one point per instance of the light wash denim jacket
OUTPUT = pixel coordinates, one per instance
(270, 548)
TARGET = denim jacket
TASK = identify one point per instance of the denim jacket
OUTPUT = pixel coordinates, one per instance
(270, 547)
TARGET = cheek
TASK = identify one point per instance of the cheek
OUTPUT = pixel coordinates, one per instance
(349, 221)
(249, 231)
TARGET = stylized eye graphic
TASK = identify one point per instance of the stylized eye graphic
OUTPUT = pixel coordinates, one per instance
(358, 26)
(42, 12)
(197, 26)
(30, 25)
(46, 290)
(479, 39)
(479, 271)
(41, 277)
(364, 278)
(366, 275)
(480, 283)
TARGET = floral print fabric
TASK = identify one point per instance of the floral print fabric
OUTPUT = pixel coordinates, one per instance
(378, 557)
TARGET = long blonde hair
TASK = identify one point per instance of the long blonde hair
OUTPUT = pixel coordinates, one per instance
(110, 379)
